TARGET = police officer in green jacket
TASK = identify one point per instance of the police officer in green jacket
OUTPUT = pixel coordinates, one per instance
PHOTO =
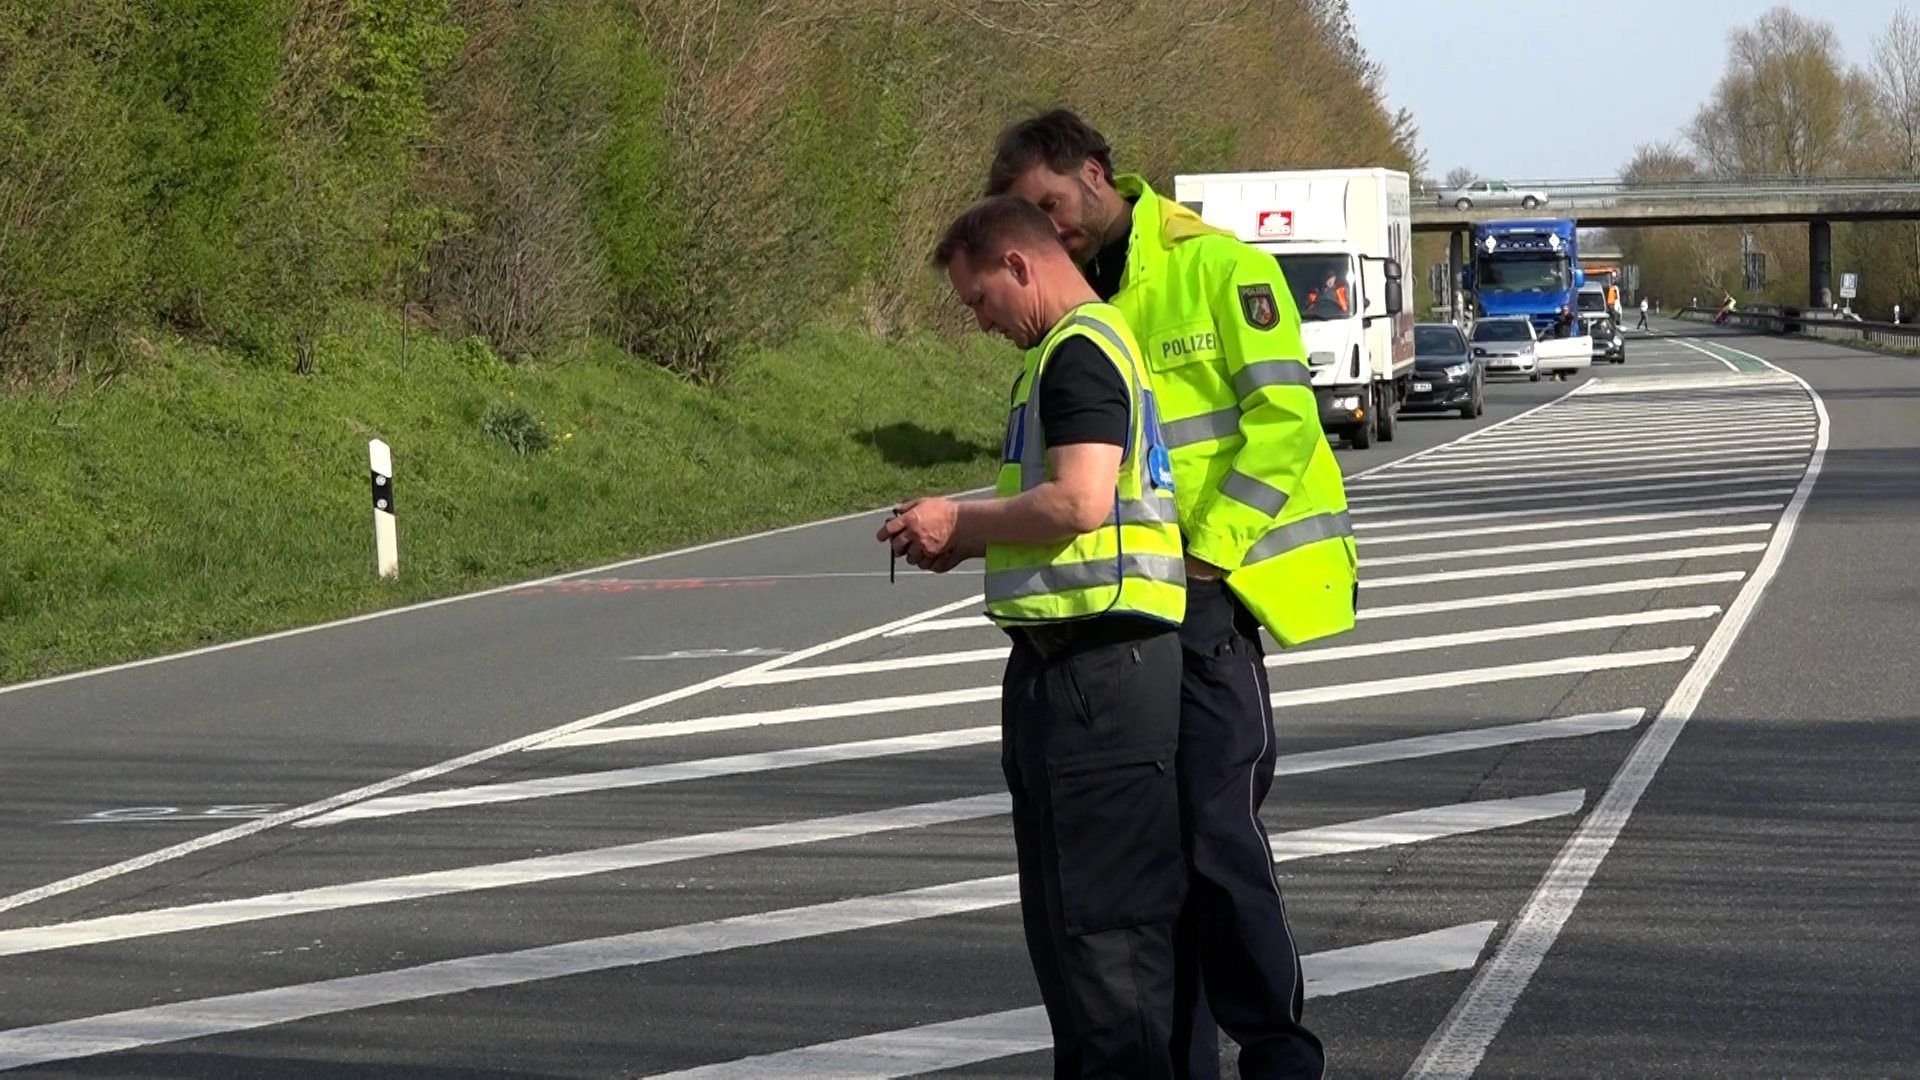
(1084, 571)
(1263, 516)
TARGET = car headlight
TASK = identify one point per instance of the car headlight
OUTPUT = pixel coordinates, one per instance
(1458, 371)
(1346, 403)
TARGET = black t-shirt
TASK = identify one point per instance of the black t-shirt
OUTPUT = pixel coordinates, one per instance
(1082, 397)
(1109, 266)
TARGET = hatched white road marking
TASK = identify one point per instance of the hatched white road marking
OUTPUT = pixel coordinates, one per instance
(954, 1044)
(1344, 838)
(1560, 545)
(1624, 504)
(798, 714)
(1571, 592)
(649, 775)
(1521, 472)
(1559, 524)
(1444, 680)
(1488, 635)
(1522, 569)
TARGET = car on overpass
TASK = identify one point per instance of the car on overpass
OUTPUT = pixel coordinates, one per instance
(1492, 193)
(1446, 377)
(1507, 345)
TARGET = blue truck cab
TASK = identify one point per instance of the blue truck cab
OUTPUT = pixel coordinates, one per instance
(1525, 267)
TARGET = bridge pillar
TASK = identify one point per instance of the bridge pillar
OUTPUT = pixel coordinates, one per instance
(1820, 264)
(1456, 264)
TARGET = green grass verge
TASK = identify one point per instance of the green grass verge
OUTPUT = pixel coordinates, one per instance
(200, 499)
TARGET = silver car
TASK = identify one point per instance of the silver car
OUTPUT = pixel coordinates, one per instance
(1505, 345)
(1492, 193)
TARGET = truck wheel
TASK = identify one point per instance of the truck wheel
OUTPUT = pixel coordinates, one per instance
(1362, 437)
(1387, 410)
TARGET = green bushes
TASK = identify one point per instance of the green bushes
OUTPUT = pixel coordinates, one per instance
(685, 178)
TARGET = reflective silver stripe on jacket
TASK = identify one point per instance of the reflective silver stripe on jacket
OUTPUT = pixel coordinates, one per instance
(1254, 492)
(1016, 584)
(1298, 534)
(1150, 509)
(1271, 373)
(1198, 429)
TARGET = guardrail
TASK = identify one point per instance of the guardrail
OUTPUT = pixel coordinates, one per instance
(1902, 336)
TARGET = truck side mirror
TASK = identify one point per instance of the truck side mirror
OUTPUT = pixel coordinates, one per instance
(1396, 300)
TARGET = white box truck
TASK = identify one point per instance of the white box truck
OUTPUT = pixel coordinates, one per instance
(1341, 237)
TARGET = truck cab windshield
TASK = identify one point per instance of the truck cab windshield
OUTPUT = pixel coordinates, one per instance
(1550, 274)
(1321, 285)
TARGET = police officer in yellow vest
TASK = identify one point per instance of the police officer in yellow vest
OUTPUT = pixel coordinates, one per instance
(1268, 542)
(1084, 570)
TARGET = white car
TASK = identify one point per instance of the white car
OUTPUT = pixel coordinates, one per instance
(1507, 345)
(1492, 193)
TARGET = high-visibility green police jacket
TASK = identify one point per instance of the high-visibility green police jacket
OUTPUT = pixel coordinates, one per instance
(1131, 564)
(1259, 491)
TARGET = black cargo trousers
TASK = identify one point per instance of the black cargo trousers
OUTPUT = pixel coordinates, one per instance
(1233, 939)
(1088, 732)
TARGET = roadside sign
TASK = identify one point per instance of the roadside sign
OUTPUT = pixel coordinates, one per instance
(1849, 286)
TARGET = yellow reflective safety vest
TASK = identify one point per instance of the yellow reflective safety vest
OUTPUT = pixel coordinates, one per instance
(1259, 491)
(1132, 564)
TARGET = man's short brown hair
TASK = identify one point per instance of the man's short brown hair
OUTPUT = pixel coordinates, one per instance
(991, 227)
(1059, 138)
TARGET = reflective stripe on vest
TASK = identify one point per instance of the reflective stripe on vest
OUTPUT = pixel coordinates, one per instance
(1298, 535)
(1132, 563)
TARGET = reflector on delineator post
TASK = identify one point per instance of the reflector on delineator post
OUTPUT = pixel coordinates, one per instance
(386, 543)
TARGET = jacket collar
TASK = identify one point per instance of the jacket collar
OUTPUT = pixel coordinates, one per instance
(1158, 224)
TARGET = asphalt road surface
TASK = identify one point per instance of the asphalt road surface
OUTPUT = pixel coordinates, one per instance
(1615, 777)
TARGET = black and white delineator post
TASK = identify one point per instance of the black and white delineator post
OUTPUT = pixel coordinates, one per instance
(386, 543)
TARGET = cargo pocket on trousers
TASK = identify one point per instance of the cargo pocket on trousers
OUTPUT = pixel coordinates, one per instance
(1116, 830)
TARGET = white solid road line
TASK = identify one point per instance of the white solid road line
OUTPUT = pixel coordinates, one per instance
(1538, 546)
(1458, 1046)
(1456, 742)
(1445, 680)
(933, 625)
(1571, 592)
(335, 802)
(1489, 635)
(160, 1024)
(1522, 569)
(1519, 470)
(1366, 528)
(875, 667)
(1596, 494)
(1705, 423)
(977, 656)
(1569, 523)
(498, 875)
(649, 775)
(1630, 449)
(1537, 482)
(1602, 431)
(1657, 457)
(798, 714)
(1421, 826)
(954, 1044)
(1344, 838)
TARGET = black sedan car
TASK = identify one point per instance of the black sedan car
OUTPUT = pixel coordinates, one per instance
(1609, 344)
(1446, 378)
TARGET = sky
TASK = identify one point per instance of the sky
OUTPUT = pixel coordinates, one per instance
(1638, 69)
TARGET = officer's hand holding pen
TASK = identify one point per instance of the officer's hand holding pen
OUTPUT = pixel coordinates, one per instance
(923, 531)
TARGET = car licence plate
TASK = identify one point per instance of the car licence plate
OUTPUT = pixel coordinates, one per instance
(1422, 387)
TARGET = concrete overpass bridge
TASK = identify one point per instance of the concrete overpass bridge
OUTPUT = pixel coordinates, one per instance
(1596, 204)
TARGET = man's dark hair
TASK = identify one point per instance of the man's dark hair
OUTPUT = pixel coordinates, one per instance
(1059, 138)
(992, 226)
